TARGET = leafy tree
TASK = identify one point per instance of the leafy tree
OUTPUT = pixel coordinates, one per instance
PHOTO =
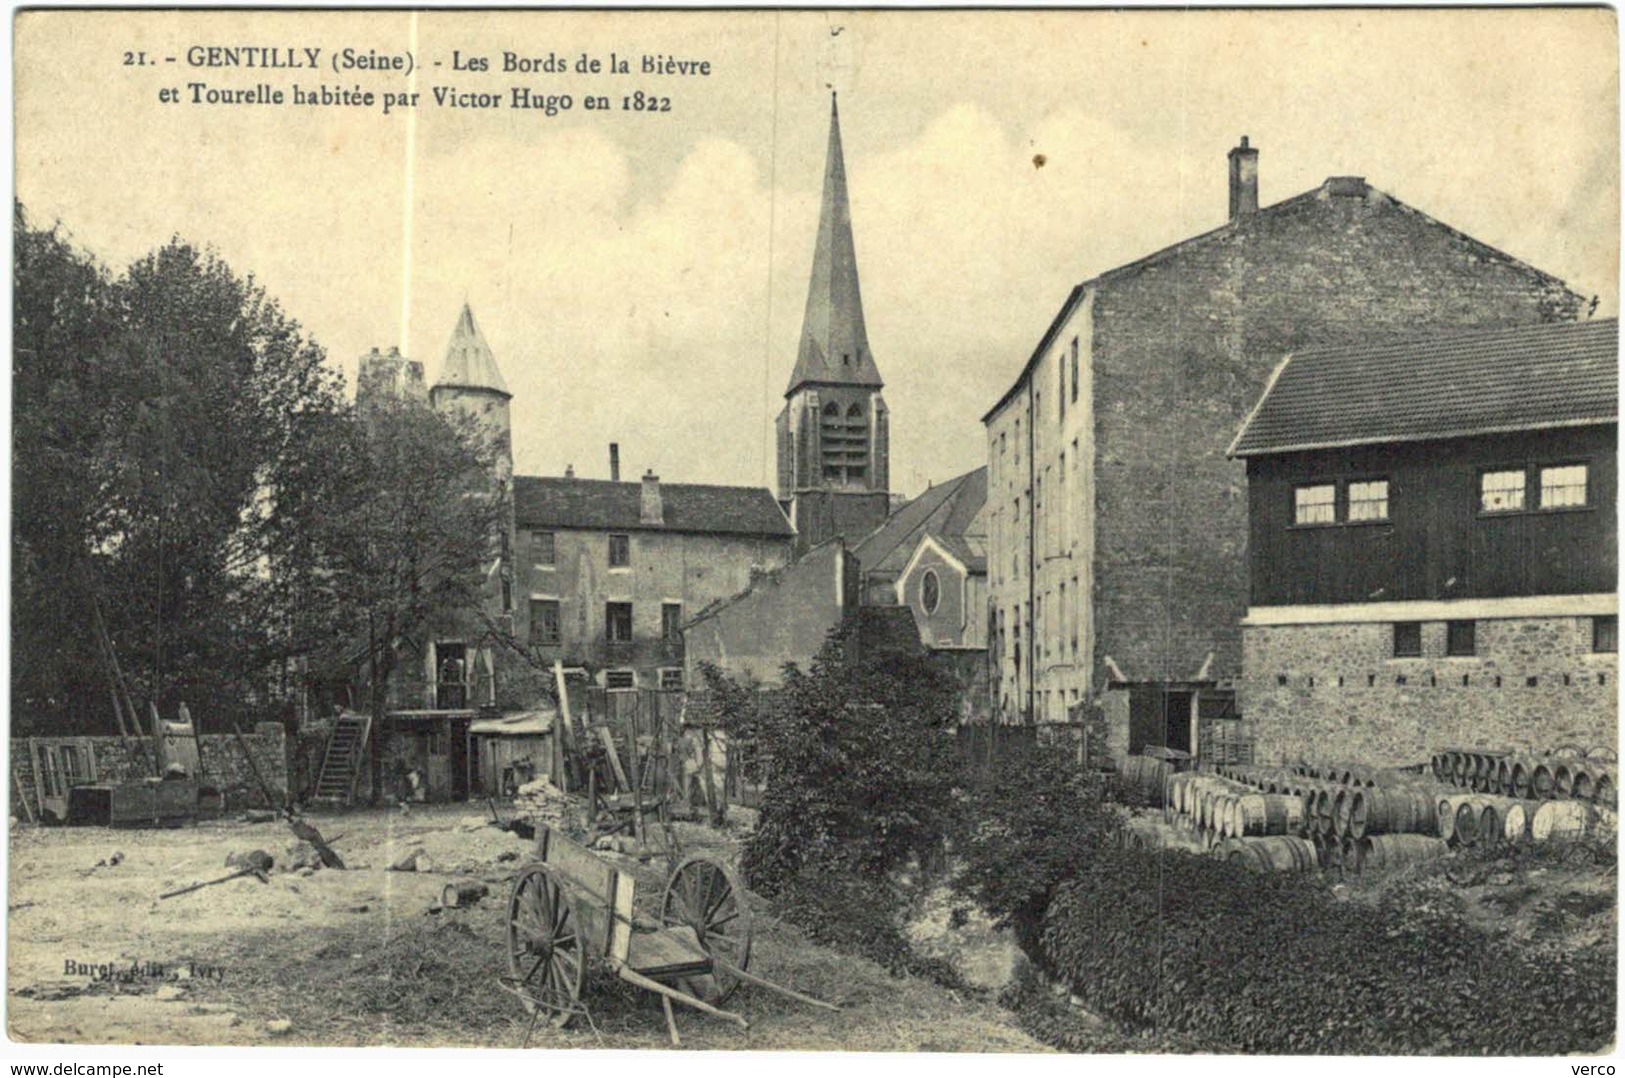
(151, 414)
(387, 531)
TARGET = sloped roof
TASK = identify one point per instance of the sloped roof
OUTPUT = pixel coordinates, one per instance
(834, 342)
(602, 505)
(946, 510)
(470, 363)
(1334, 187)
(1485, 382)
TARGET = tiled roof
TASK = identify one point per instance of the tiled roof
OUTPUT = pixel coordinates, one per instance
(1484, 382)
(601, 505)
(945, 510)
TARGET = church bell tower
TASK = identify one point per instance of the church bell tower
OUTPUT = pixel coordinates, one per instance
(832, 433)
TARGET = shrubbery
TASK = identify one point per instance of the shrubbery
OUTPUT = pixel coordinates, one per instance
(860, 769)
(1276, 964)
(1030, 821)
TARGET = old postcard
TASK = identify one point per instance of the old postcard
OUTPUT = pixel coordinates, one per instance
(928, 531)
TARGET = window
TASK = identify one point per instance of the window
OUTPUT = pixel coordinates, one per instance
(671, 621)
(1315, 505)
(671, 679)
(1407, 639)
(620, 679)
(1060, 397)
(544, 621)
(542, 550)
(1460, 638)
(1074, 370)
(1368, 500)
(618, 623)
(1563, 486)
(1501, 492)
(620, 551)
(930, 591)
(1605, 634)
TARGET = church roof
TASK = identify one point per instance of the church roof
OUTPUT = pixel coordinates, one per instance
(834, 344)
(469, 362)
(604, 505)
(947, 511)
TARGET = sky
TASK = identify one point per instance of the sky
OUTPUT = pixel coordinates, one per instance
(641, 276)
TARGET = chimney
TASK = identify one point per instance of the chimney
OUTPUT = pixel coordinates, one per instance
(614, 462)
(650, 510)
(1243, 180)
(569, 471)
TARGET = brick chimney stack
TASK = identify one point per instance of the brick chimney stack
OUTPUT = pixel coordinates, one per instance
(1243, 180)
(614, 462)
(651, 511)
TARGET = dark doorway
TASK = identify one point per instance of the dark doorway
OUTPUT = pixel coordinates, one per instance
(1159, 717)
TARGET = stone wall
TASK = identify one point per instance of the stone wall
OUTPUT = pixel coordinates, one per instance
(1183, 346)
(1335, 692)
(223, 764)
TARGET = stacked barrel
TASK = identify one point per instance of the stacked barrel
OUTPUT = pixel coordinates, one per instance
(1521, 796)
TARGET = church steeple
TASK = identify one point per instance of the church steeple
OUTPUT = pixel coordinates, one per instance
(833, 435)
(834, 343)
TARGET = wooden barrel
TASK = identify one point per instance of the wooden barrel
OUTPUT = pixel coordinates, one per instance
(1458, 768)
(1274, 853)
(1560, 821)
(1326, 810)
(1145, 777)
(1341, 804)
(1515, 822)
(1523, 776)
(1467, 811)
(1384, 852)
(1563, 777)
(1446, 812)
(1491, 825)
(1440, 764)
(1605, 790)
(1387, 810)
(1543, 783)
(1268, 814)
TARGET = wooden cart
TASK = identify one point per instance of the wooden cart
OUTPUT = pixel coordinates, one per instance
(570, 908)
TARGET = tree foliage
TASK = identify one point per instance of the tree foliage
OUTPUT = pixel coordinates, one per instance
(151, 412)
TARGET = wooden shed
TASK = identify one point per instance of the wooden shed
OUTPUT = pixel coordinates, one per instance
(507, 752)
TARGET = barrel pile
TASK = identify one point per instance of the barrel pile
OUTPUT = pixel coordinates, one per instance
(1567, 773)
(1526, 796)
(1300, 818)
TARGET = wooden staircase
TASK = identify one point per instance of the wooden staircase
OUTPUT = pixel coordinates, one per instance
(341, 763)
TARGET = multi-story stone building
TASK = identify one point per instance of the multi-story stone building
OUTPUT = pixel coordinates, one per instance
(1116, 524)
(612, 571)
(1433, 547)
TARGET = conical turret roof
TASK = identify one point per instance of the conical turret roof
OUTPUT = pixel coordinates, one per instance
(469, 362)
(834, 344)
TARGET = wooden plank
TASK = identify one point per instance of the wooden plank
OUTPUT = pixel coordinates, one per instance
(614, 757)
(670, 952)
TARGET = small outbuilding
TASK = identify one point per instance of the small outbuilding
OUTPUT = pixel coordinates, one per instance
(505, 753)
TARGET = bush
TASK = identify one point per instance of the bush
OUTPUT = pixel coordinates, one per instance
(1030, 821)
(1276, 964)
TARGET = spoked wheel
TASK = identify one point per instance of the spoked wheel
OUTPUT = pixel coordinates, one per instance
(547, 965)
(705, 896)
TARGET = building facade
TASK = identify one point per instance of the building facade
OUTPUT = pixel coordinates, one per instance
(612, 571)
(833, 433)
(1433, 547)
(1116, 525)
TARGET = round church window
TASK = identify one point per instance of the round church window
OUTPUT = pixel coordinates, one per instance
(930, 591)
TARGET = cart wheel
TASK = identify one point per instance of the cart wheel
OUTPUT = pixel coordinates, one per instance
(546, 962)
(705, 896)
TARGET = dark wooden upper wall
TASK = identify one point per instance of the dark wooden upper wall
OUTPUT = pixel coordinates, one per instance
(1436, 544)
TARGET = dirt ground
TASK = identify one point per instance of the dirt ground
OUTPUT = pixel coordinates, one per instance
(358, 958)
